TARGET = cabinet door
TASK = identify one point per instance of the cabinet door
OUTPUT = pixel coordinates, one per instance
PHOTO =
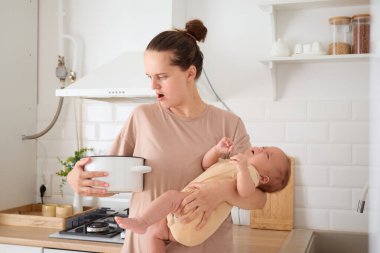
(8, 248)
(47, 250)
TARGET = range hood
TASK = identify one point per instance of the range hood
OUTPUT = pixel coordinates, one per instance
(122, 77)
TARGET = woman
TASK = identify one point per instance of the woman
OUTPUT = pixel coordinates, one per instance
(173, 135)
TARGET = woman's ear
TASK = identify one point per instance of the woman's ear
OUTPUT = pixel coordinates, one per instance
(264, 179)
(192, 72)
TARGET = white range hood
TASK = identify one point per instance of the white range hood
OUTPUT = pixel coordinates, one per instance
(122, 77)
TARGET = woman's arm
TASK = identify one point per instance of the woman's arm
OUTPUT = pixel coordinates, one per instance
(209, 195)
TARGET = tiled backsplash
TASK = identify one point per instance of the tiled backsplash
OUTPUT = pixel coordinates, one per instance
(329, 140)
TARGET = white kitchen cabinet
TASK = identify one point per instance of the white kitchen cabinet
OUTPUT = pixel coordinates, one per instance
(47, 250)
(9, 248)
(273, 8)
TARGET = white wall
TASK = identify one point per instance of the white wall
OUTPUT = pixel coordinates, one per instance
(374, 196)
(18, 100)
(321, 116)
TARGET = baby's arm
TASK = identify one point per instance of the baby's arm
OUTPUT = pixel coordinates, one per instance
(244, 183)
(223, 147)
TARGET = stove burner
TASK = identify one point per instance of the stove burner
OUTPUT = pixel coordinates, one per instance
(97, 227)
(99, 223)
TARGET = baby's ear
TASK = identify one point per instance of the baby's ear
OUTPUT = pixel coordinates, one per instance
(264, 179)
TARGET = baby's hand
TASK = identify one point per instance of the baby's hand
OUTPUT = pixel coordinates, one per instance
(224, 146)
(240, 161)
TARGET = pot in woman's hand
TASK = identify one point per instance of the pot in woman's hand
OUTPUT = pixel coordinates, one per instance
(125, 173)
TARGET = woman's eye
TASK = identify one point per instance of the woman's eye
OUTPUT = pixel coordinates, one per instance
(161, 77)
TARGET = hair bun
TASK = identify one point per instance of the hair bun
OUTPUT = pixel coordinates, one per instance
(196, 28)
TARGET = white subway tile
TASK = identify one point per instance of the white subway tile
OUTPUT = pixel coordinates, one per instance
(311, 176)
(108, 131)
(307, 132)
(329, 110)
(360, 154)
(349, 132)
(329, 154)
(286, 111)
(98, 113)
(90, 131)
(347, 176)
(248, 110)
(54, 149)
(360, 110)
(318, 197)
(56, 187)
(297, 151)
(100, 147)
(123, 111)
(348, 220)
(266, 132)
(311, 218)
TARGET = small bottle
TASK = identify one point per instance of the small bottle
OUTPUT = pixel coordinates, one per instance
(341, 35)
(361, 32)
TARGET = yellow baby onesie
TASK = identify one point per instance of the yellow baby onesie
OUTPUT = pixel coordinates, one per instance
(187, 234)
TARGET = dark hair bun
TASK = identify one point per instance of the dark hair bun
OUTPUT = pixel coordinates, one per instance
(196, 28)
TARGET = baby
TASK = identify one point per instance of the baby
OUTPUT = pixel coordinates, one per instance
(267, 168)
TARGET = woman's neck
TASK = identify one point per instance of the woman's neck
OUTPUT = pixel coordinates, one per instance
(190, 109)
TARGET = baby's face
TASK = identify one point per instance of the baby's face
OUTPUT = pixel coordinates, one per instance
(266, 159)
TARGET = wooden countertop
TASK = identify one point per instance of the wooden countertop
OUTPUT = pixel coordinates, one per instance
(38, 237)
(246, 240)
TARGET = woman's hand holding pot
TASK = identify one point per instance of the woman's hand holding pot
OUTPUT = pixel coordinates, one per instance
(83, 182)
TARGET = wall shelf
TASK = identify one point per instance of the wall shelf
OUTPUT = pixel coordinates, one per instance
(307, 4)
(316, 58)
(273, 6)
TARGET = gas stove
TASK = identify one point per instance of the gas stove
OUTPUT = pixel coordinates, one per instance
(97, 225)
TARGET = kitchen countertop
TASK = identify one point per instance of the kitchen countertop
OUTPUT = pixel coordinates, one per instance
(245, 240)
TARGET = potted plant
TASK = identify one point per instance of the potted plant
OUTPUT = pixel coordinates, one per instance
(68, 164)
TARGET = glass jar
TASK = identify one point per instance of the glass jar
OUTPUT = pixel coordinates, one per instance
(341, 35)
(361, 31)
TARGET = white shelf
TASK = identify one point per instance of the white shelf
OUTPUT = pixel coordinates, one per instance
(273, 6)
(316, 58)
(307, 4)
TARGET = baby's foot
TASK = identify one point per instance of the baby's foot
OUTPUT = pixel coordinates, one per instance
(136, 225)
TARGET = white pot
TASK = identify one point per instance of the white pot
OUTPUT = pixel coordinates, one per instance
(125, 173)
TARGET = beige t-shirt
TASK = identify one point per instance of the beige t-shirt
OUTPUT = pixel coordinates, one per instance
(187, 234)
(174, 147)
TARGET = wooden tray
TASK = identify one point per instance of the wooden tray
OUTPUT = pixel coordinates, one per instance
(31, 216)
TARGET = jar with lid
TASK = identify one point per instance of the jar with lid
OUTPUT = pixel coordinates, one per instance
(361, 31)
(340, 35)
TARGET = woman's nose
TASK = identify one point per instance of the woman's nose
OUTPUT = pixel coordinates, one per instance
(154, 84)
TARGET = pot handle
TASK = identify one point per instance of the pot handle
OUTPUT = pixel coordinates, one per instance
(141, 169)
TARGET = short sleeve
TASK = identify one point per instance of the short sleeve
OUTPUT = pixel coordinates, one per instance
(240, 138)
(124, 143)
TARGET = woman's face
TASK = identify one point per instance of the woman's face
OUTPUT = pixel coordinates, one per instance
(170, 83)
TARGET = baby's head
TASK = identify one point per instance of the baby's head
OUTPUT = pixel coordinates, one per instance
(273, 166)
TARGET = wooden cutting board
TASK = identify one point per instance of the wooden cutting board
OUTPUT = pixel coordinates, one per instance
(278, 211)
